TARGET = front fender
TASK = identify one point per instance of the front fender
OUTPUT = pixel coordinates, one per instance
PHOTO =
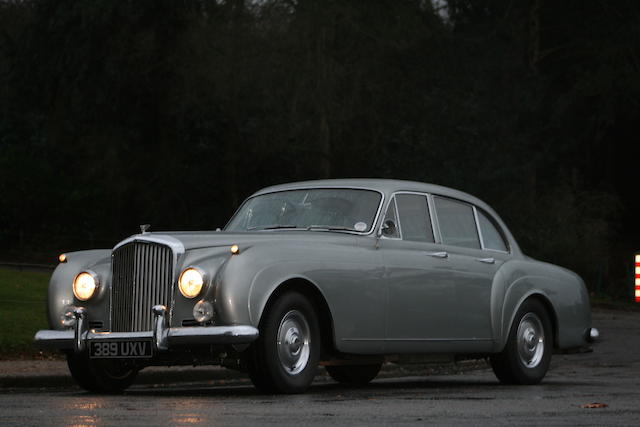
(245, 282)
(60, 291)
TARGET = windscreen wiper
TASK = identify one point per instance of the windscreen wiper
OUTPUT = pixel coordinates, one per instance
(328, 228)
(272, 227)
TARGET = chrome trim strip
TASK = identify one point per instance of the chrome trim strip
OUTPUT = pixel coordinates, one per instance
(240, 334)
(223, 335)
(437, 237)
(120, 335)
(397, 215)
(60, 340)
(175, 244)
(475, 217)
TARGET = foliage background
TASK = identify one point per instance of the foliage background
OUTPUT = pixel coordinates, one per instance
(118, 113)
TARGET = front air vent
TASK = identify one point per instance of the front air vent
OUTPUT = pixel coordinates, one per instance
(96, 324)
(190, 322)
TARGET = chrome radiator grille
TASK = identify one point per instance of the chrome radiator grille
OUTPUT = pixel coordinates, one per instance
(142, 277)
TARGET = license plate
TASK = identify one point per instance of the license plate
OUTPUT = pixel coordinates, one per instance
(120, 349)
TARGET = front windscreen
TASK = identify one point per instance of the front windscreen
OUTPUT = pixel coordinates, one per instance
(338, 209)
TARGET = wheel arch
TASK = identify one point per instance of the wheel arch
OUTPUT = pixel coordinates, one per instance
(318, 301)
(548, 306)
(553, 317)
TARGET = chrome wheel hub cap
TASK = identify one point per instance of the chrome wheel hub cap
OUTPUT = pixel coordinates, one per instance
(293, 342)
(530, 340)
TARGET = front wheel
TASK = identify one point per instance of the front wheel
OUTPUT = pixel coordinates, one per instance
(101, 375)
(527, 354)
(284, 359)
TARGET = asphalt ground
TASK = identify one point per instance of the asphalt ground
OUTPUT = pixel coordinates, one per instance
(597, 388)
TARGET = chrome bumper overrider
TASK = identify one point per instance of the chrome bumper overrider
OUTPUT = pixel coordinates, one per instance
(163, 336)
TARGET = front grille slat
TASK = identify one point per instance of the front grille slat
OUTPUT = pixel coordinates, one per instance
(142, 278)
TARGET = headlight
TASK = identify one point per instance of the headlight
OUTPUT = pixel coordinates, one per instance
(190, 282)
(85, 285)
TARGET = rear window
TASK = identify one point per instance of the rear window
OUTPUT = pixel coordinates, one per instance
(491, 237)
(457, 223)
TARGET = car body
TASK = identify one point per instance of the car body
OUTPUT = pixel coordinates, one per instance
(347, 273)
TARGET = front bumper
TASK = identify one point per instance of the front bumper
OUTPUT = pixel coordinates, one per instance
(162, 336)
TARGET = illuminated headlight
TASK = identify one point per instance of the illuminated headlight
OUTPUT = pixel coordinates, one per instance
(191, 282)
(203, 311)
(85, 285)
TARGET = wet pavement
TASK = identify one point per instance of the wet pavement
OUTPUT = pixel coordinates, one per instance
(609, 376)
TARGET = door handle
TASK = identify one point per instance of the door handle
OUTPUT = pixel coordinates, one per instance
(438, 254)
(486, 260)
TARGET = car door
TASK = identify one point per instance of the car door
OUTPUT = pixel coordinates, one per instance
(417, 273)
(471, 269)
(439, 291)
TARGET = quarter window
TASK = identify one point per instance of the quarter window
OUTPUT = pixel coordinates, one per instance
(457, 223)
(491, 237)
(415, 223)
(391, 215)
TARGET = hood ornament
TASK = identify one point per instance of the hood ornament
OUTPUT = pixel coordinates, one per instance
(144, 228)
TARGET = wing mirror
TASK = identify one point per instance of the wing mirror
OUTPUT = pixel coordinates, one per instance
(389, 228)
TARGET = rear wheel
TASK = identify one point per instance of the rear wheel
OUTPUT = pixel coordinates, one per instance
(284, 359)
(101, 375)
(354, 375)
(527, 354)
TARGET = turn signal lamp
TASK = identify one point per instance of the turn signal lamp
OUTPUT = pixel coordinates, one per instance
(62, 258)
(235, 249)
(637, 279)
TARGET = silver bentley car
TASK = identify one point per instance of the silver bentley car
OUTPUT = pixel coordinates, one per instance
(348, 274)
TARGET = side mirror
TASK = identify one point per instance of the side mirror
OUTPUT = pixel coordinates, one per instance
(389, 228)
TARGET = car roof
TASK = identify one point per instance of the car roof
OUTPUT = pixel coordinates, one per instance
(390, 186)
(387, 186)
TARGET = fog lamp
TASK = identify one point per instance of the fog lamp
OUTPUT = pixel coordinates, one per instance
(203, 311)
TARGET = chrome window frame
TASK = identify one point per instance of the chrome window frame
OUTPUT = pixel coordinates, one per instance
(430, 212)
(496, 226)
(392, 199)
(480, 236)
(320, 187)
(475, 219)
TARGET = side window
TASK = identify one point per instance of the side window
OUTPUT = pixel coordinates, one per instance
(491, 237)
(415, 222)
(391, 215)
(457, 223)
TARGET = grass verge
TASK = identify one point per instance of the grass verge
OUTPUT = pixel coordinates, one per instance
(23, 310)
